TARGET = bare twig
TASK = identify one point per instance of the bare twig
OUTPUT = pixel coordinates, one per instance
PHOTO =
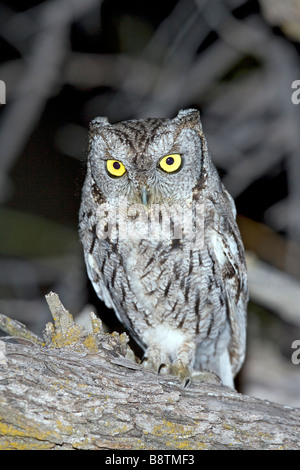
(39, 81)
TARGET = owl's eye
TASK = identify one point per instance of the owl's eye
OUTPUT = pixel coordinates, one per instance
(115, 168)
(170, 163)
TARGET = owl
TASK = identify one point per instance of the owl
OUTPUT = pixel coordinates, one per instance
(162, 247)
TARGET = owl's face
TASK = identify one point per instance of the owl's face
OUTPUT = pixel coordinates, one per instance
(150, 161)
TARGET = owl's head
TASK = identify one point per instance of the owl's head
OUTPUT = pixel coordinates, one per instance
(149, 161)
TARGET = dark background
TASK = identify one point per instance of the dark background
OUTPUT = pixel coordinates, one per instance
(65, 62)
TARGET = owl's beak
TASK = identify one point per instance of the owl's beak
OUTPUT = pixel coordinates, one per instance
(144, 196)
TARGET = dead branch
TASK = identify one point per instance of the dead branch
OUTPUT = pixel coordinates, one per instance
(80, 390)
(40, 77)
(280, 294)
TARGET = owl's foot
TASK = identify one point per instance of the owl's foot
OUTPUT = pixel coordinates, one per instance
(187, 376)
(206, 376)
(180, 371)
(155, 360)
(183, 372)
(158, 360)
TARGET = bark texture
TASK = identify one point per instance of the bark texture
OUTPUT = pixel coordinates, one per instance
(79, 390)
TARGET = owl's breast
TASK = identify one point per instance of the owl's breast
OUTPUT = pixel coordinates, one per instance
(167, 283)
(155, 280)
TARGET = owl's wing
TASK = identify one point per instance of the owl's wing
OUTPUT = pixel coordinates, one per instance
(230, 267)
(96, 278)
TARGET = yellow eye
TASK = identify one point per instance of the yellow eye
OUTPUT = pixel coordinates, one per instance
(115, 168)
(170, 163)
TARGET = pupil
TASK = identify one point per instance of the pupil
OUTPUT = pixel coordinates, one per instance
(116, 165)
(170, 161)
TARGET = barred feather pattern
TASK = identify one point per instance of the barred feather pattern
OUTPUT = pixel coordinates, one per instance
(172, 267)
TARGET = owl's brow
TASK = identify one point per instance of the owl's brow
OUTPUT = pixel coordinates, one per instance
(139, 133)
(121, 134)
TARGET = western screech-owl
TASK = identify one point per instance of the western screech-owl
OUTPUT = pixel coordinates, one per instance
(161, 244)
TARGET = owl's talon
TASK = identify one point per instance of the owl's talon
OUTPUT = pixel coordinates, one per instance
(162, 368)
(182, 372)
(187, 382)
(188, 376)
(145, 363)
(148, 364)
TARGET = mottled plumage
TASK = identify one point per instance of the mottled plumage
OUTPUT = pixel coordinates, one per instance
(161, 244)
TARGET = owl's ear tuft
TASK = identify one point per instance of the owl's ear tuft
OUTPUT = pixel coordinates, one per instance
(189, 118)
(98, 123)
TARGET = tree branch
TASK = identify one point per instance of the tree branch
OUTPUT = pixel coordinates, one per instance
(80, 390)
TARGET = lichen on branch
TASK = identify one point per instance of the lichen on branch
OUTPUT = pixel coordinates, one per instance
(72, 389)
(65, 333)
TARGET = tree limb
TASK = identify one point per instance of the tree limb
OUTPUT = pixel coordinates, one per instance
(80, 390)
